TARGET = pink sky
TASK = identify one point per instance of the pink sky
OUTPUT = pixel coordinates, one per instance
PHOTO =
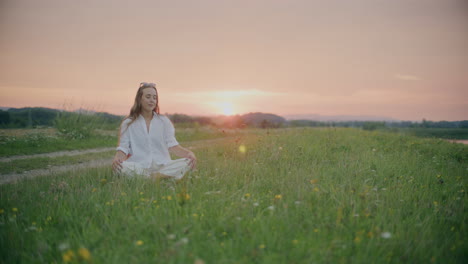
(402, 59)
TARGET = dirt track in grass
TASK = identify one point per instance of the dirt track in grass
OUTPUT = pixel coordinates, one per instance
(14, 177)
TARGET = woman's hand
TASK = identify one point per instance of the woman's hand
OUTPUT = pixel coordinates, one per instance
(117, 162)
(192, 158)
(184, 153)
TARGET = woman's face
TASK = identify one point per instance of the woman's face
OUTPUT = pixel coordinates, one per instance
(148, 99)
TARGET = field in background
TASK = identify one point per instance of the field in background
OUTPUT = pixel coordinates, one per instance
(297, 195)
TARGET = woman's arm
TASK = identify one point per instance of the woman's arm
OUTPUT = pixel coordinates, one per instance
(184, 153)
(123, 148)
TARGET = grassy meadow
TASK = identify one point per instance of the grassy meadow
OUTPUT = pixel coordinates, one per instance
(294, 195)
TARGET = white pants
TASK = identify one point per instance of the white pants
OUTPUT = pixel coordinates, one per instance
(174, 168)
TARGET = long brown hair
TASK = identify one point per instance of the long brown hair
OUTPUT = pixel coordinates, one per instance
(135, 111)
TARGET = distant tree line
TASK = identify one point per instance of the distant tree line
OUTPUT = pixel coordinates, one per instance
(31, 117)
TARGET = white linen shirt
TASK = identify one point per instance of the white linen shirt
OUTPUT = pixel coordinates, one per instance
(148, 147)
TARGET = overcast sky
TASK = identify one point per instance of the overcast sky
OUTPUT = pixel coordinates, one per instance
(403, 59)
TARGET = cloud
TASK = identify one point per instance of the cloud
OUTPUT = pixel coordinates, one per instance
(407, 77)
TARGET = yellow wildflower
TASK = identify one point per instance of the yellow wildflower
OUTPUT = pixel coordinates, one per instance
(14, 209)
(262, 246)
(278, 196)
(84, 253)
(139, 242)
(68, 255)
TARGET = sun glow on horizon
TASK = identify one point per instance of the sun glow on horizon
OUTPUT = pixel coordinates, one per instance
(227, 108)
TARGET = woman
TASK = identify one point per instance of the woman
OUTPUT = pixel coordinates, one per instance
(147, 139)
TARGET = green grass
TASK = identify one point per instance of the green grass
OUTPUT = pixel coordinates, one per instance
(447, 133)
(37, 142)
(294, 196)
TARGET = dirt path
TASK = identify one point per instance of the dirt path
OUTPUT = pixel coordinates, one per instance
(463, 141)
(14, 177)
(56, 154)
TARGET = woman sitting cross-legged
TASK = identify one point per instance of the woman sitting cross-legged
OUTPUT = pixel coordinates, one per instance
(146, 140)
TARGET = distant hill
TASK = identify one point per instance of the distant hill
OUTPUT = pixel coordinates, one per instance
(337, 118)
(44, 117)
(258, 119)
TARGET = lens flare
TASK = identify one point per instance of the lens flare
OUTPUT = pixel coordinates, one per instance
(242, 149)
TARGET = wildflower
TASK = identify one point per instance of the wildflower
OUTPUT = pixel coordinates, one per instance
(271, 207)
(255, 204)
(295, 241)
(68, 256)
(103, 180)
(64, 245)
(316, 230)
(141, 193)
(169, 198)
(14, 209)
(171, 236)
(224, 233)
(357, 239)
(278, 196)
(247, 195)
(314, 181)
(195, 215)
(84, 253)
(139, 242)
(184, 240)
(262, 246)
(280, 148)
(436, 203)
(386, 235)
(49, 218)
(93, 190)
(316, 189)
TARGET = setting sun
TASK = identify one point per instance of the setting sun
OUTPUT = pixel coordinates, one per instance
(227, 108)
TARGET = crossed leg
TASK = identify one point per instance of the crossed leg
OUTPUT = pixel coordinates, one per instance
(173, 169)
